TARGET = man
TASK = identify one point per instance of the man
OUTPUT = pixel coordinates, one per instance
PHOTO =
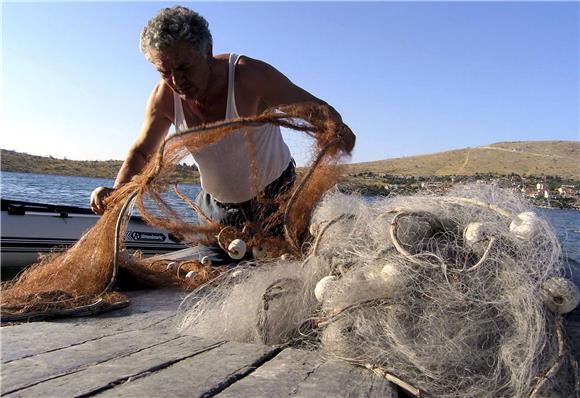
(198, 87)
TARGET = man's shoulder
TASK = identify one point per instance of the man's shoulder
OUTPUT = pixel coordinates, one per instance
(245, 65)
(252, 72)
(242, 60)
(251, 64)
(161, 100)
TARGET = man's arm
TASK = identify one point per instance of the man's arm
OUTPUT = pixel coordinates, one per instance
(274, 89)
(158, 119)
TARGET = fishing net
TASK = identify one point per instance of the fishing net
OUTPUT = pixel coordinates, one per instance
(80, 280)
(455, 295)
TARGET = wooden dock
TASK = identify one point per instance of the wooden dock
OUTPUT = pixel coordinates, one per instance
(137, 352)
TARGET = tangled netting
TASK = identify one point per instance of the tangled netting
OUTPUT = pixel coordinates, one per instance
(456, 295)
(79, 281)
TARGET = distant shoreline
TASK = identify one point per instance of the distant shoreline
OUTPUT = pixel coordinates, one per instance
(519, 165)
(398, 185)
(522, 158)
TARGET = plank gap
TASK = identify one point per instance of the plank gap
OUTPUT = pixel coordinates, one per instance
(241, 373)
(83, 367)
(120, 332)
(148, 371)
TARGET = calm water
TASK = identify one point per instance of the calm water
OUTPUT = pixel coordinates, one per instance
(71, 191)
(75, 191)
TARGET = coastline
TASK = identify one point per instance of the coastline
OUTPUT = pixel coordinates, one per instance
(405, 185)
(381, 185)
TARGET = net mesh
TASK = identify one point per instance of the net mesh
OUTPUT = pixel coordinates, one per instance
(85, 272)
(450, 296)
(457, 295)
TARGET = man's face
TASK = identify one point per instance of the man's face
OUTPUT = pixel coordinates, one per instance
(184, 69)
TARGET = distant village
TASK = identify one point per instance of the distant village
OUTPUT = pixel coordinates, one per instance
(543, 191)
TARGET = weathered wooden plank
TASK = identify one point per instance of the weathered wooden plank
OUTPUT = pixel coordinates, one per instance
(118, 370)
(28, 371)
(148, 309)
(54, 336)
(200, 375)
(307, 374)
(137, 352)
(339, 379)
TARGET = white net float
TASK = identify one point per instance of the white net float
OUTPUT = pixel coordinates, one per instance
(560, 295)
(323, 286)
(526, 225)
(238, 273)
(286, 257)
(206, 260)
(237, 249)
(475, 232)
(393, 278)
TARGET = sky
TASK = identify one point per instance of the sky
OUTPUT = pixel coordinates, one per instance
(408, 77)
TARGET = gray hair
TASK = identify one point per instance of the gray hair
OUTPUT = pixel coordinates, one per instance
(172, 25)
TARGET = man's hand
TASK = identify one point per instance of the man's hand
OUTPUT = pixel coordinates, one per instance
(347, 138)
(98, 199)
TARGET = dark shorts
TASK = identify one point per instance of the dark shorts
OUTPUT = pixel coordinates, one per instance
(255, 211)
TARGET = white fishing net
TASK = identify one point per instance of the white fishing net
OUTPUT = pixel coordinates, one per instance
(455, 295)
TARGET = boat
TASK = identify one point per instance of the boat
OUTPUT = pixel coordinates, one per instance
(29, 229)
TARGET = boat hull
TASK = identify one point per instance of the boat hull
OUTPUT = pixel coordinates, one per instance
(32, 229)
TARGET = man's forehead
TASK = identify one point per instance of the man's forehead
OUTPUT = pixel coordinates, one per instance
(174, 55)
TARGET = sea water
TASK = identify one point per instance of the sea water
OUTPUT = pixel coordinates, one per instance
(76, 191)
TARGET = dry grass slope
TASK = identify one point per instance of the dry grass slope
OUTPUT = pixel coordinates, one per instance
(558, 158)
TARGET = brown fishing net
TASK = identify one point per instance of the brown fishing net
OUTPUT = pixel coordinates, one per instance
(80, 280)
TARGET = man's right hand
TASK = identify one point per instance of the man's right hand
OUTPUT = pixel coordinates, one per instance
(98, 199)
(347, 139)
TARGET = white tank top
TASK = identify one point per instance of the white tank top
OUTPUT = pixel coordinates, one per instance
(225, 166)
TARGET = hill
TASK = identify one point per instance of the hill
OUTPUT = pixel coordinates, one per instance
(556, 158)
(525, 158)
(25, 163)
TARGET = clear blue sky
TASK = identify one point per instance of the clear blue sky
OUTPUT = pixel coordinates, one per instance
(409, 78)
